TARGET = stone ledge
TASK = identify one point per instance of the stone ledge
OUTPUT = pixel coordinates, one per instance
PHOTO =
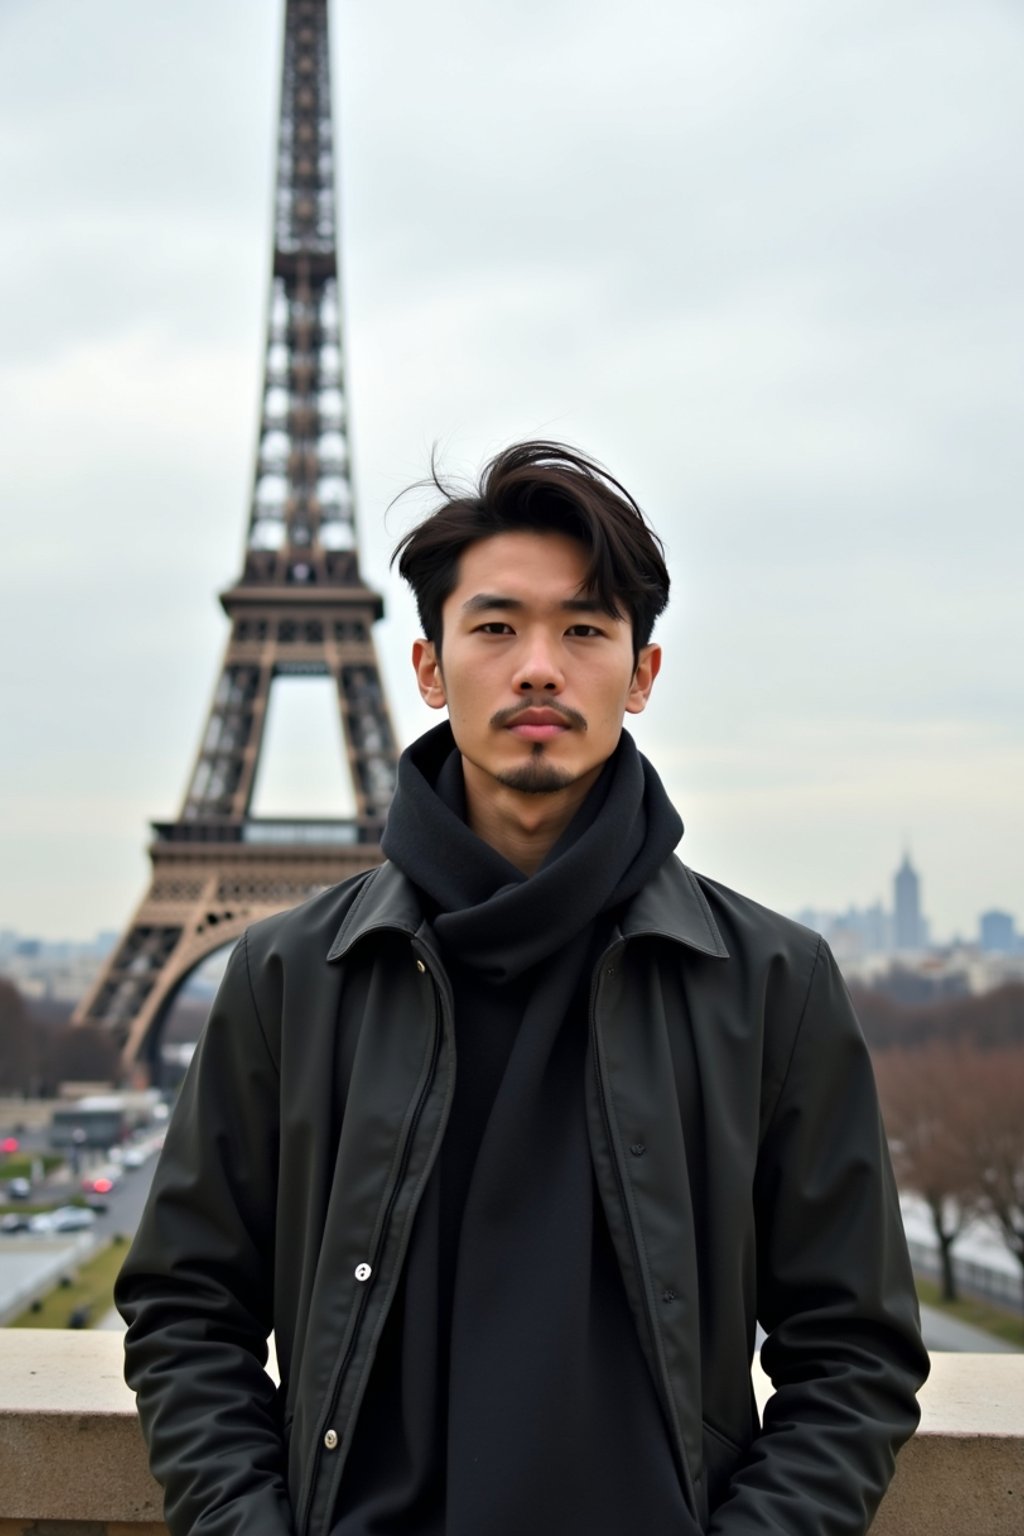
(72, 1462)
(70, 1444)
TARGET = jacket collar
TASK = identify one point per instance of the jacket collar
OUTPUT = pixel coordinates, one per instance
(387, 900)
(670, 906)
(673, 906)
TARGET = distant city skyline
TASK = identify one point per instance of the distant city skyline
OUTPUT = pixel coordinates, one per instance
(904, 929)
(787, 322)
(994, 930)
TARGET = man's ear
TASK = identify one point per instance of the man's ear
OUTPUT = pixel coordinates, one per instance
(428, 673)
(647, 668)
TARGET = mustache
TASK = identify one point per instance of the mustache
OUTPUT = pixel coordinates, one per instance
(572, 717)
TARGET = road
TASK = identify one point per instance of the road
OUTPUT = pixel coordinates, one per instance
(28, 1261)
(944, 1334)
(125, 1201)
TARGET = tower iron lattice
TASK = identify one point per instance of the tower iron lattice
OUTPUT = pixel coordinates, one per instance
(300, 608)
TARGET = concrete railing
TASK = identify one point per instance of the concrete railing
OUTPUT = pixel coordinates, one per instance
(72, 1461)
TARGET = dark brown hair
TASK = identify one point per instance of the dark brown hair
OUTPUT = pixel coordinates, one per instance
(545, 488)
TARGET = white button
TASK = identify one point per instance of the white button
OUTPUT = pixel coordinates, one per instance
(331, 1440)
(421, 967)
(363, 1271)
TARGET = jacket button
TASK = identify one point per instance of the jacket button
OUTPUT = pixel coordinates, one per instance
(670, 1295)
(421, 967)
(331, 1440)
(363, 1271)
(638, 1148)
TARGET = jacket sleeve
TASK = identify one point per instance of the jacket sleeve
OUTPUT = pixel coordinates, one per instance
(836, 1293)
(197, 1285)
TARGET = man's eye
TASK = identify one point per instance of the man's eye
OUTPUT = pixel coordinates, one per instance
(584, 629)
(495, 627)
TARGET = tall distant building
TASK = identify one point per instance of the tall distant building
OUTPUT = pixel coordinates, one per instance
(998, 932)
(907, 928)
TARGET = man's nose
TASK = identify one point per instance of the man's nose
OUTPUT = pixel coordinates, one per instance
(539, 671)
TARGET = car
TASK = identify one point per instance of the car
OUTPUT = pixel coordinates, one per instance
(19, 1189)
(14, 1221)
(71, 1218)
(101, 1182)
(66, 1218)
(133, 1157)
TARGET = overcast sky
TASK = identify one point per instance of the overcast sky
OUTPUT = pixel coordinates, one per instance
(764, 261)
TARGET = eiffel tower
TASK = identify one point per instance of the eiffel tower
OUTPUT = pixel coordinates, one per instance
(299, 608)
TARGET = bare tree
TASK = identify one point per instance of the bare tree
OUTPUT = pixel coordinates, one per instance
(82, 1053)
(16, 1040)
(931, 1105)
(986, 1021)
(1000, 1145)
(955, 1117)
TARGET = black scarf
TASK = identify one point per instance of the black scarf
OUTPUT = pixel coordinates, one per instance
(488, 913)
(510, 1393)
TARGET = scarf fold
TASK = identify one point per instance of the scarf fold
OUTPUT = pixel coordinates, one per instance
(511, 1393)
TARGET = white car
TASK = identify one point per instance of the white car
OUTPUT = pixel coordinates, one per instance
(72, 1218)
(66, 1218)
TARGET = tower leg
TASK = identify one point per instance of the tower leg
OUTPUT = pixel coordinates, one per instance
(192, 909)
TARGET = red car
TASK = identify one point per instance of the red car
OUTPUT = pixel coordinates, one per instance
(98, 1184)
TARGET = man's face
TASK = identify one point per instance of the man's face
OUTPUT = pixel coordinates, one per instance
(535, 676)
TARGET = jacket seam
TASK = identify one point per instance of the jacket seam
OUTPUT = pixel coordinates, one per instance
(407, 1119)
(646, 1276)
(256, 1007)
(721, 1436)
(783, 1080)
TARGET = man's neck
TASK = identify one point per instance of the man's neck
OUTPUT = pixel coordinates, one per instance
(522, 828)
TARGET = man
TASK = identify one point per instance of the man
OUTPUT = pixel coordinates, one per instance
(514, 1140)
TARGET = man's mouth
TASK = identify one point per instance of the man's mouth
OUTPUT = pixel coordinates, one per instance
(538, 724)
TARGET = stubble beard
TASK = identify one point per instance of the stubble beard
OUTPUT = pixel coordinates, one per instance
(537, 776)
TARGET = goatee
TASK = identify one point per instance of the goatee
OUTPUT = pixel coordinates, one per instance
(536, 777)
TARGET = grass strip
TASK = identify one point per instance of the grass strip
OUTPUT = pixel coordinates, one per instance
(21, 1164)
(999, 1321)
(91, 1288)
(37, 1207)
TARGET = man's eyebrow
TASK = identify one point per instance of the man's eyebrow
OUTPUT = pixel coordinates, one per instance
(494, 600)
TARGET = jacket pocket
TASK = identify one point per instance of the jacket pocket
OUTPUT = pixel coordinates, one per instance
(722, 1457)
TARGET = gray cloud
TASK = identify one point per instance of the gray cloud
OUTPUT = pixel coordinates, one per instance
(765, 261)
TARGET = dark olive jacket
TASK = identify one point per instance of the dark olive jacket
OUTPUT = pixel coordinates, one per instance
(739, 1156)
